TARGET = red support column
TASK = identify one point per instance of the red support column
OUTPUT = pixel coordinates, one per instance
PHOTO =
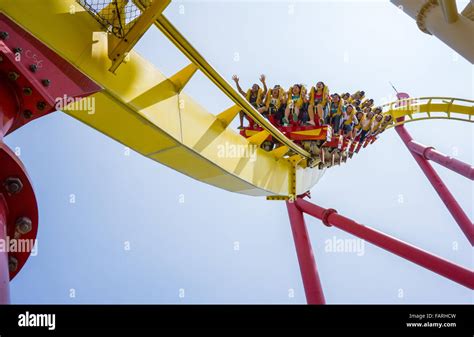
(309, 273)
(4, 270)
(429, 153)
(456, 211)
(411, 253)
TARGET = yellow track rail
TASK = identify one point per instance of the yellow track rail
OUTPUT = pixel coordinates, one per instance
(146, 111)
(423, 108)
(179, 41)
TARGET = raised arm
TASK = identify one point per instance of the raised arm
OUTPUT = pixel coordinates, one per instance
(236, 80)
(265, 89)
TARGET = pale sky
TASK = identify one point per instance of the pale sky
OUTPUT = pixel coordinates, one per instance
(219, 247)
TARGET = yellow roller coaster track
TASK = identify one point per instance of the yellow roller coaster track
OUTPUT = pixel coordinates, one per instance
(148, 112)
(423, 108)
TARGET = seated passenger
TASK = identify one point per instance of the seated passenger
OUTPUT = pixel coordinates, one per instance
(387, 120)
(378, 110)
(346, 97)
(377, 124)
(350, 120)
(296, 98)
(272, 104)
(358, 95)
(360, 117)
(368, 103)
(253, 95)
(366, 123)
(280, 114)
(335, 112)
(318, 99)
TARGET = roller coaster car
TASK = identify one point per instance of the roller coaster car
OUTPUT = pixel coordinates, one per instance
(369, 140)
(309, 137)
(327, 149)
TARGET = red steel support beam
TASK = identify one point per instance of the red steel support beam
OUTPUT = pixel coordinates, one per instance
(454, 208)
(4, 270)
(309, 273)
(8, 113)
(429, 153)
(424, 259)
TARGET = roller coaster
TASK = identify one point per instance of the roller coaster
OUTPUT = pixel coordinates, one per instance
(41, 71)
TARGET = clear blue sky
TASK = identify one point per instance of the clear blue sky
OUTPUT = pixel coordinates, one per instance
(184, 252)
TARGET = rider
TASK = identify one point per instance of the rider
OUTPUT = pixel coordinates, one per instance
(366, 123)
(335, 112)
(296, 99)
(318, 98)
(253, 95)
(273, 102)
(350, 120)
(387, 120)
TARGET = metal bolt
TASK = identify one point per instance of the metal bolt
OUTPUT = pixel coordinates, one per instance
(3, 35)
(13, 75)
(33, 68)
(12, 264)
(27, 114)
(46, 82)
(13, 185)
(17, 50)
(41, 106)
(24, 225)
(27, 91)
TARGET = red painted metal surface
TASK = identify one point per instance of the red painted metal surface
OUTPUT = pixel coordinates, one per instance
(451, 163)
(8, 106)
(4, 274)
(34, 81)
(21, 203)
(429, 261)
(311, 282)
(454, 208)
(43, 81)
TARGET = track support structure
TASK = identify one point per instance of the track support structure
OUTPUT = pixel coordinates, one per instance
(330, 218)
(309, 272)
(448, 199)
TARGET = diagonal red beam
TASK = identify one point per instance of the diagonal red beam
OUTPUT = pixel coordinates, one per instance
(409, 252)
(429, 153)
(454, 208)
(309, 273)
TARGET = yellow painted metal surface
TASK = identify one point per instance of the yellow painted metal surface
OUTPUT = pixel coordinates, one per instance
(148, 112)
(144, 110)
(423, 108)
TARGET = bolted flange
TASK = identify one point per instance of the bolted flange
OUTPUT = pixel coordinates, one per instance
(27, 114)
(41, 106)
(12, 264)
(13, 76)
(27, 91)
(23, 225)
(13, 185)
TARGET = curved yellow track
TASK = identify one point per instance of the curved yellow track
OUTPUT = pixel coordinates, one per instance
(423, 108)
(146, 111)
(142, 109)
